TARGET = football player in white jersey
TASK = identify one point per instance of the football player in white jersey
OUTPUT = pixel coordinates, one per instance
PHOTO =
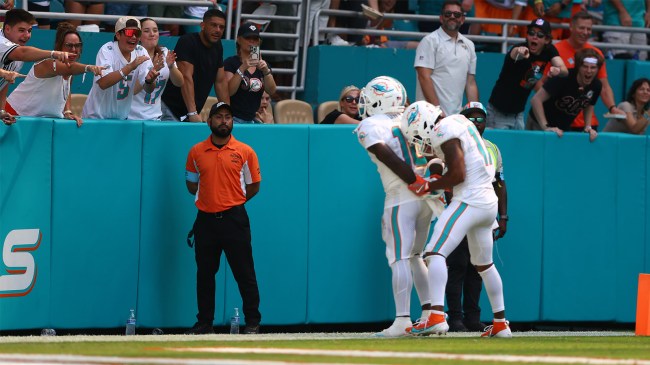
(16, 32)
(147, 106)
(112, 92)
(407, 217)
(471, 212)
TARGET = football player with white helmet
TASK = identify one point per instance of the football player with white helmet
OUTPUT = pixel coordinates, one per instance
(407, 217)
(471, 212)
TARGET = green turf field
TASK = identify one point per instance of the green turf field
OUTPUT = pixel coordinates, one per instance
(524, 348)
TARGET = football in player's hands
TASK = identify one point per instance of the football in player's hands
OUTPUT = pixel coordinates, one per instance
(420, 186)
(434, 193)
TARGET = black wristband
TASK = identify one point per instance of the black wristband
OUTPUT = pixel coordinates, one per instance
(610, 108)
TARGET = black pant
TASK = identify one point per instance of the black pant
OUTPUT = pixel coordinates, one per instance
(465, 283)
(227, 231)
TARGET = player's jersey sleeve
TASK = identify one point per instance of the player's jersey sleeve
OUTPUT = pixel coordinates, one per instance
(370, 133)
(446, 130)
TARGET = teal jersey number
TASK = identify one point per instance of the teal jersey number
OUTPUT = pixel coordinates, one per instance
(124, 88)
(150, 98)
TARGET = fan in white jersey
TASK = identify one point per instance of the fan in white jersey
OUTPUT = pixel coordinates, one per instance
(112, 92)
(46, 90)
(16, 32)
(471, 213)
(145, 105)
(406, 218)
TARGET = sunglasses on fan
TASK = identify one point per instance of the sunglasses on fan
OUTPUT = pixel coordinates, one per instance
(131, 32)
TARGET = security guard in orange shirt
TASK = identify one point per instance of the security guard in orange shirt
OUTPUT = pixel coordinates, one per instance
(224, 174)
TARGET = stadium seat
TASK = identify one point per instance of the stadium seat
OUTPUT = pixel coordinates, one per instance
(209, 102)
(325, 108)
(293, 111)
(77, 102)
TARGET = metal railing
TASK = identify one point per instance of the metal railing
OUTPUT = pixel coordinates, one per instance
(300, 51)
(504, 40)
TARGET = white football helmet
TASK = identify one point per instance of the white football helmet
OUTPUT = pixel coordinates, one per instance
(382, 95)
(417, 125)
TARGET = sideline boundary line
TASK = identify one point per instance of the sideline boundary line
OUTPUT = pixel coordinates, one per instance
(419, 355)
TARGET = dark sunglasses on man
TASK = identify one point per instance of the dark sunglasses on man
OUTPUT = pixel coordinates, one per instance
(477, 119)
(455, 14)
(533, 33)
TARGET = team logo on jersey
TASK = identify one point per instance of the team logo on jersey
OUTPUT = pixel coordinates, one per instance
(256, 84)
(590, 93)
(110, 48)
(362, 136)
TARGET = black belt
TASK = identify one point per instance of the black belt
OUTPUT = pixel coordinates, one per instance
(218, 215)
(223, 213)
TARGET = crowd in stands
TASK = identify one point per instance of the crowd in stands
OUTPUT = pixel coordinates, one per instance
(136, 69)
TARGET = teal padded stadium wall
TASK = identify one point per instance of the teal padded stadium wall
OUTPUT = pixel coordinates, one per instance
(96, 212)
(25, 204)
(110, 201)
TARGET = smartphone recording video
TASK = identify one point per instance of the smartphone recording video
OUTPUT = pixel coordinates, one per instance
(255, 52)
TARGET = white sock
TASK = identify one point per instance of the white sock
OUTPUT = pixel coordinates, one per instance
(402, 287)
(425, 314)
(437, 279)
(494, 288)
(403, 321)
(420, 279)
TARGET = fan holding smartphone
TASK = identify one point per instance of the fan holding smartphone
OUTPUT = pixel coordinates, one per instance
(248, 75)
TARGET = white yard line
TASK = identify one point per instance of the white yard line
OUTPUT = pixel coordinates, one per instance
(25, 359)
(283, 336)
(419, 355)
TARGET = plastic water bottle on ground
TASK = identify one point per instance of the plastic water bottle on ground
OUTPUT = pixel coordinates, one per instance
(48, 332)
(130, 324)
(234, 323)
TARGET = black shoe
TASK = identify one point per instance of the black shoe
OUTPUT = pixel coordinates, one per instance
(456, 325)
(201, 329)
(252, 330)
(475, 326)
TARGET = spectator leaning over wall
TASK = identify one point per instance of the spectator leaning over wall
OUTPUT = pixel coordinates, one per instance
(200, 60)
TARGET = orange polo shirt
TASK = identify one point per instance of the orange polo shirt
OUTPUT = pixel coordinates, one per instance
(222, 173)
(568, 54)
